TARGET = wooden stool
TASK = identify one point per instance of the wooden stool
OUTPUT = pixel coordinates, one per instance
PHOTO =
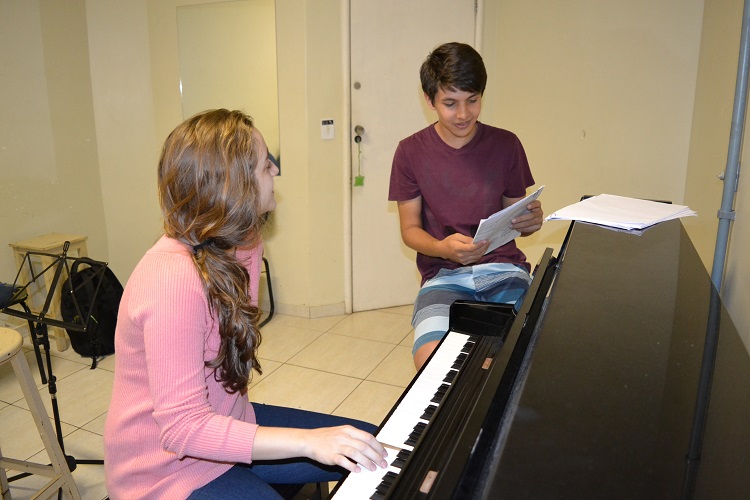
(58, 471)
(52, 244)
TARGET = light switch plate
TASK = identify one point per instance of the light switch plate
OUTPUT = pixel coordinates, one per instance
(326, 130)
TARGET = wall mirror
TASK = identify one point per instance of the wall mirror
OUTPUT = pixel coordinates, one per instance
(227, 53)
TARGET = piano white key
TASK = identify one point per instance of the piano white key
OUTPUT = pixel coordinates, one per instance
(395, 432)
(362, 485)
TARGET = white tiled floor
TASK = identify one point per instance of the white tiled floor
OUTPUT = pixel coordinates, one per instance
(355, 365)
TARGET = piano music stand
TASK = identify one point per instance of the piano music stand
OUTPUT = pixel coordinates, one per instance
(39, 322)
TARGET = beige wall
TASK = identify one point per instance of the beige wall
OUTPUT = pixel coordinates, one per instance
(309, 230)
(125, 124)
(227, 53)
(709, 145)
(602, 95)
(712, 120)
(49, 170)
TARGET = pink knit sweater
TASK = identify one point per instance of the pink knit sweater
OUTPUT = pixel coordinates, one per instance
(171, 428)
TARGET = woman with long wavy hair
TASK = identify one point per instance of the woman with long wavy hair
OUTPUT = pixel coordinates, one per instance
(179, 424)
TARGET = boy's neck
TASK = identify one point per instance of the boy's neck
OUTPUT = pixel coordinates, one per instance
(452, 140)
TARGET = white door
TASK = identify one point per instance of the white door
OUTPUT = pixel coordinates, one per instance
(389, 41)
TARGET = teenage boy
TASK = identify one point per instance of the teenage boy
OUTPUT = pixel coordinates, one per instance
(446, 178)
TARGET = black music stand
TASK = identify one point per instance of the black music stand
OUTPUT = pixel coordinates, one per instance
(16, 295)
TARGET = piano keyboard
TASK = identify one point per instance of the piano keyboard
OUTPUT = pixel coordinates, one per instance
(411, 414)
(404, 425)
(363, 484)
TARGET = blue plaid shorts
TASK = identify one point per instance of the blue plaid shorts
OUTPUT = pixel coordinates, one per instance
(496, 282)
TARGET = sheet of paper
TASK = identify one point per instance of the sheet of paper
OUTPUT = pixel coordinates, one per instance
(496, 228)
(621, 212)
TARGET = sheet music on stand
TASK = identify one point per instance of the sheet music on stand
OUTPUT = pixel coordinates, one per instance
(621, 212)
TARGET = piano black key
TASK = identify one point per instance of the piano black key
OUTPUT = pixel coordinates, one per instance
(440, 393)
(450, 376)
(401, 458)
(389, 478)
(416, 433)
(386, 484)
(381, 490)
(428, 412)
(467, 346)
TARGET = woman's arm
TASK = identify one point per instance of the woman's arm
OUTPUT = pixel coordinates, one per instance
(345, 446)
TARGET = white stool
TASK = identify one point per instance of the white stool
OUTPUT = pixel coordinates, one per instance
(58, 471)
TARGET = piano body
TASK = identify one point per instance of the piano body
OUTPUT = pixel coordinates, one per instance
(621, 376)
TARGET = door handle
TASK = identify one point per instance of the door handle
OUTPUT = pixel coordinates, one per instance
(359, 131)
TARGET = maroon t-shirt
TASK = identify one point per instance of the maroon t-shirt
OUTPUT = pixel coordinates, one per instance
(459, 187)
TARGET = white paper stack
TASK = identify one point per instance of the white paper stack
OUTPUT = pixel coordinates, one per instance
(621, 212)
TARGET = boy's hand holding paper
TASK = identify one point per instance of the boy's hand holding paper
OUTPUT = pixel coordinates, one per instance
(497, 227)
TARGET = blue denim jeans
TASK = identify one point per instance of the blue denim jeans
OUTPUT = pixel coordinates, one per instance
(254, 480)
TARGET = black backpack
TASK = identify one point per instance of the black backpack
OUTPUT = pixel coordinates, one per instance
(91, 297)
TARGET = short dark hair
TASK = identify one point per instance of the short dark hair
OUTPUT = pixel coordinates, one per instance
(453, 66)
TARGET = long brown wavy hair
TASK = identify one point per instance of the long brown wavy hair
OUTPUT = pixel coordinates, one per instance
(209, 200)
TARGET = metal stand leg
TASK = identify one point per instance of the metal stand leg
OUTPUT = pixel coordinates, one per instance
(35, 343)
(270, 294)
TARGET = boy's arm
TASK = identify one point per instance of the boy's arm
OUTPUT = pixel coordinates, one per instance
(530, 222)
(456, 247)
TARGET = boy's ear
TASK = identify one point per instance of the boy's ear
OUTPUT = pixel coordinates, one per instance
(428, 101)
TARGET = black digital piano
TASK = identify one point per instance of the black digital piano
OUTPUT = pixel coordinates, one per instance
(620, 376)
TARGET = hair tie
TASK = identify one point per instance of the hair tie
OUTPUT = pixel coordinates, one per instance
(202, 244)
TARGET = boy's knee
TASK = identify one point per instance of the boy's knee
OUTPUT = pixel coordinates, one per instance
(423, 353)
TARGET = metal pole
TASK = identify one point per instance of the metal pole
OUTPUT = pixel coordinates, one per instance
(732, 171)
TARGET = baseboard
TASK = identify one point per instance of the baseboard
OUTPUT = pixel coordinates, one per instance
(302, 311)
